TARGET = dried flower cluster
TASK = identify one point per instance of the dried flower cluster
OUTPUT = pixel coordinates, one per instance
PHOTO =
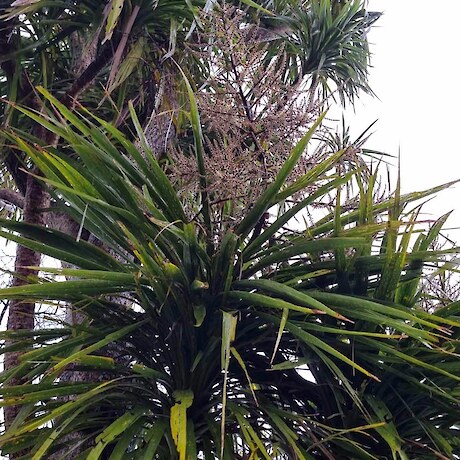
(441, 283)
(252, 117)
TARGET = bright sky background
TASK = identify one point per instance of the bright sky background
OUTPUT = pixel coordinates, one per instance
(415, 59)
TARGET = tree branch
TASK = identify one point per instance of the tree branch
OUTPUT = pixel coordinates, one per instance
(12, 197)
(88, 75)
(13, 163)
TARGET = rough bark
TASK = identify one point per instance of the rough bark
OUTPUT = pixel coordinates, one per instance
(21, 314)
(12, 197)
(160, 128)
(32, 199)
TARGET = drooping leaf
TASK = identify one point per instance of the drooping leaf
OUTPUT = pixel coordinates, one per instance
(178, 420)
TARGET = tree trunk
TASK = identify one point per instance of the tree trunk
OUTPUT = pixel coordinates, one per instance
(21, 314)
(159, 129)
(34, 198)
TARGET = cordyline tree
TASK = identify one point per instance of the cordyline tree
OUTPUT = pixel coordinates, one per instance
(210, 324)
(106, 54)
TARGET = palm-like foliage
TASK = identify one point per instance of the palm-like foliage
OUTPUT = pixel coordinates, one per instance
(211, 351)
(119, 49)
(327, 40)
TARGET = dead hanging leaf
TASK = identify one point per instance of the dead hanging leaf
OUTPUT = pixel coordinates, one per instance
(116, 7)
(178, 420)
(122, 45)
(128, 65)
(24, 2)
(229, 323)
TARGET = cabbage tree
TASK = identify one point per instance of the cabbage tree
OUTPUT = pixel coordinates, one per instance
(237, 341)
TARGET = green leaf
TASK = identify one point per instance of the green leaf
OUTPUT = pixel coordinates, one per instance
(253, 435)
(283, 321)
(266, 200)
(304, 246)
(258, 7)
(199, 151)
(293, 295)
(170, 204)
(285, 365)
(255, 245)
(114, 336)
(260, 300)
(410, 359)
(199, 312)
(238, 357)
(387, 431)
(60, 246)
(309, 339)
(64, 290)
(403, 313)
(114, 430)
(148, 372)
(55, 434)
(59, 411)
(31, 393)
(153, 438)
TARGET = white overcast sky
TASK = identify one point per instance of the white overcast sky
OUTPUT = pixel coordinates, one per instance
(415, 47)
